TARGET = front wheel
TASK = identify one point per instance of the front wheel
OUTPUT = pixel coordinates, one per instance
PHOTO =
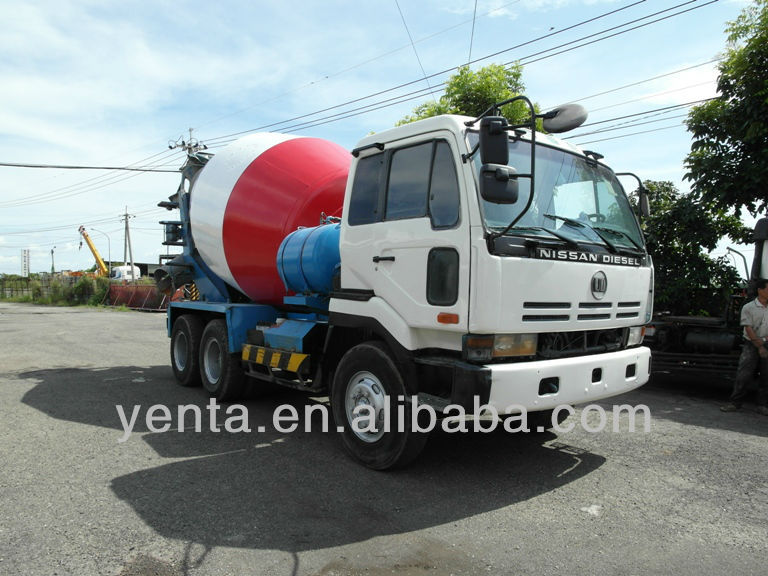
(220, 371)
(367, 389)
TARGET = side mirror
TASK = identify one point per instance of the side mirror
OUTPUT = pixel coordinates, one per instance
(645, 205)
(494, 144)
(498, 184)
(564, 118)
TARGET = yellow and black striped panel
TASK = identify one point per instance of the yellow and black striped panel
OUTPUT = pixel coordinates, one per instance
(290, 361)
(191, 292)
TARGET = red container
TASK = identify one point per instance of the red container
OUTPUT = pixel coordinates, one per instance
(255, 192)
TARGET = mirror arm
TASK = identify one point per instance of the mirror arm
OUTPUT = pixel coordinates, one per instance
(642, 191)
(533, 165)
(467, 157)
(532, 175)
(495, 108)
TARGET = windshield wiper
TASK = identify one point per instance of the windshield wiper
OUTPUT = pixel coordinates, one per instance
(555, 233)
(621, 234)
(571, 221)
(576, 224)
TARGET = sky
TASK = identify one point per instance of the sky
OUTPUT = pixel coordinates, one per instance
(113, 84)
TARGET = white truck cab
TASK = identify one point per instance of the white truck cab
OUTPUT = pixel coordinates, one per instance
(546, 293)
(125, 273)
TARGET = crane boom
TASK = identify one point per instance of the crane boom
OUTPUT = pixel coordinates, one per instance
(102, 271)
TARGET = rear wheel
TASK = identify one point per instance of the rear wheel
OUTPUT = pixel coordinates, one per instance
(220, 371)
(185, 348)
(365, 395)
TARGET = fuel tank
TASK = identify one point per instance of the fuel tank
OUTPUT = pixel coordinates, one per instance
(254, 193)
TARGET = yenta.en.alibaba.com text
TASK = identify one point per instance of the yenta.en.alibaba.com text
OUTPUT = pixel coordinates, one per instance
(405, 414)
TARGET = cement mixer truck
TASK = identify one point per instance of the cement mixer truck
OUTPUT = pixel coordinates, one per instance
(465, 265)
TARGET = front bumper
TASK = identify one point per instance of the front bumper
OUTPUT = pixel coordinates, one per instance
(546, 384)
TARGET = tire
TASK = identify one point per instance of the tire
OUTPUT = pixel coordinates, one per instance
(185, 349)
(367, 375)
(220, 371)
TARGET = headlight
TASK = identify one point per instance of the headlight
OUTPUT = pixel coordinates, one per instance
(636, 335)
(485, 347)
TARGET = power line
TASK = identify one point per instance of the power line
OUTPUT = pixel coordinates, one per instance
(106, 176)
(405, 84)
(413, 45)
(56, 228)
(418, 93)
(400, 99)
(628, 125)
(472, 34)
(83, 187)
(70, 167)
(615, 33)
(672, 107)
(638, 117)
(357, 65)
(628, 135)
(649, 96)
(95, 221)
(46, 197)
(639, 82)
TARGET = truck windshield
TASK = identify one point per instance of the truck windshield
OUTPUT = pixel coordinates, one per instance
(579, 200)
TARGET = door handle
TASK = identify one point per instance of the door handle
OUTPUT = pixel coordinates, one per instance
(378, 259)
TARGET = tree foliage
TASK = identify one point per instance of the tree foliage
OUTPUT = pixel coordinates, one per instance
(472, 92)
(728, 162)
(680, 232)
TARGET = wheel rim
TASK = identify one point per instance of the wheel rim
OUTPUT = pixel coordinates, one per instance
(180, 351)
(365, 389)
(212, 361)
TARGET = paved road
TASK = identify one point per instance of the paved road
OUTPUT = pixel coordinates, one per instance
(689, 497)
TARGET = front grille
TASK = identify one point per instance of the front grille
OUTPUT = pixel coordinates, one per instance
(554, 345)
(593, 317)
(623, 315)
(545, 305)
(546, 317)
(538, 311)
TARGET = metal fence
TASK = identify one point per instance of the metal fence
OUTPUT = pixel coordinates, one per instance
(47, 286)
(42, 286)
(137, 296)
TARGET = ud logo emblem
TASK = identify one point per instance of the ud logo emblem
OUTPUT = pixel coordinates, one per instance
(599, 285)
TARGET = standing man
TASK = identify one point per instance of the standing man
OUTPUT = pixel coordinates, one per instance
(754, 319)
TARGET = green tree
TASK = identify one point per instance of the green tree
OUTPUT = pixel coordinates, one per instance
(728, 162)
(472, 92)
(680, 232)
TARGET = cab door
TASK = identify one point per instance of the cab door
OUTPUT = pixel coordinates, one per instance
(407, 237)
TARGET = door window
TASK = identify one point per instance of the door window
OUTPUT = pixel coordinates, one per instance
(422, 180)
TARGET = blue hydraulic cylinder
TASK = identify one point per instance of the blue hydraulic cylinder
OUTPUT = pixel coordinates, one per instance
(309, 258)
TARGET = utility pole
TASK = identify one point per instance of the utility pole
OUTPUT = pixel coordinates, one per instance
(190, 146)
(128, 245)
